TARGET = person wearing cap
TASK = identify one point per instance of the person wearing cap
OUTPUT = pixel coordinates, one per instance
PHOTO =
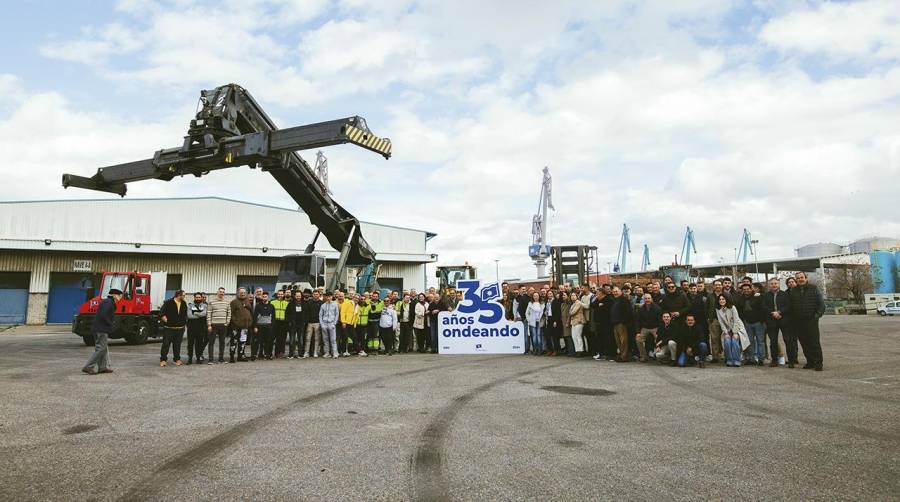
(104, 324)
(328, 318)
(174, 317)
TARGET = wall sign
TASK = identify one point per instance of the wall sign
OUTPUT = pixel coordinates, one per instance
(82, 266)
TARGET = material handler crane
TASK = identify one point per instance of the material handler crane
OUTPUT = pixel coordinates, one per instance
(230, 129)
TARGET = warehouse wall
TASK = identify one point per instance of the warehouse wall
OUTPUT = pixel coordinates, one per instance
(198, 273)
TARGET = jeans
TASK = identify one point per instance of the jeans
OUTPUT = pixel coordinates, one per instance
(295, 340)
(171, 337)
(526, 339)
(196, 334)
(434, 336)
(537, 343)
(732, 346)
(757, 333)
(702, 351)
(280, 329)
(313, 334)
(643, 341)
(218, 331)
(387, 338)
(808, 334)
(100, 357)
(405, 338)
(329, 340)
(421, 334)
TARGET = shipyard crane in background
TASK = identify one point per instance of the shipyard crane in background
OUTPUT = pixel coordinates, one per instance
(230, 129)
(645, 260)
(687, 246)
(624, 250)
(539, 251)
(745, 248)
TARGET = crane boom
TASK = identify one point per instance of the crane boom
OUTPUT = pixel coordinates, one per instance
(539, 251)
(230, 130)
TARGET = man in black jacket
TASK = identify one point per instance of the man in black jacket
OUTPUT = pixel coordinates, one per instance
(807, 306)
(667, 340)
(601, 308)
(776, 306)
(622, 319)
(750, 308)
(174, 317)
(691, 342)
(649, 317)
(675, 303)
(104, 324)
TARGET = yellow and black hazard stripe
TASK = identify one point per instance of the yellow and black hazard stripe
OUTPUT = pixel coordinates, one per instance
(368, 140)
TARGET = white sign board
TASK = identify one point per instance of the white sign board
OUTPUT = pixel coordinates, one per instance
(479, 324)
(82, 266)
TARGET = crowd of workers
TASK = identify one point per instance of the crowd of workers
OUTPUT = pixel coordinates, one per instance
(680, 324)
(684, 324)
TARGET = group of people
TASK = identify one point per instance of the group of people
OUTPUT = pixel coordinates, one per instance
(296, 324)
(684, 324)
(690, 323)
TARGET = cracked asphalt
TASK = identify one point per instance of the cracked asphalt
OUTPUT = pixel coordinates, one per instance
(427, 427)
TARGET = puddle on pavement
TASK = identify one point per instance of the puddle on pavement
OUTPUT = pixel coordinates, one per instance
(578, 391)
(78, 429)
(568, 443)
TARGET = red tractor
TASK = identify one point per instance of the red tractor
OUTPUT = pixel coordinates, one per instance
(137, 315)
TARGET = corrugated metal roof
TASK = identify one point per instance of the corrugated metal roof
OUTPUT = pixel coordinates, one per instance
(429, 234)
(211, 225)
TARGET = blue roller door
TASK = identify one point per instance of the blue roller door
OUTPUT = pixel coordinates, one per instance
(13, 297)
(67, 292)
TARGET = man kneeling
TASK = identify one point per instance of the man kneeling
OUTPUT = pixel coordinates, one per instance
(692, 343)
(666, 341)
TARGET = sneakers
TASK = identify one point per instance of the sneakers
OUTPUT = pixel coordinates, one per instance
(89, 371)
(105, 370)
(315, 355)
(209, 363)
(305, 355)
(162, 364)
(597, 357)
(346, 354)
(290, 357)
(363, 353)
(335, 356)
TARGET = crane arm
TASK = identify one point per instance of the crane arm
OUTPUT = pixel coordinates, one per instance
(230, 130)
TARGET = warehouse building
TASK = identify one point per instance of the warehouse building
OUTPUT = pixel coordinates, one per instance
(53, 252)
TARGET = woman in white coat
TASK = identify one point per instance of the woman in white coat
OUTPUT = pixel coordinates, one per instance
(534, 315)
(734, 335)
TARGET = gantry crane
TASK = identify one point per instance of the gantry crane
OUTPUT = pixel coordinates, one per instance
(745, 248)
(230, 130)
(645, 260)
(624, 250)
(539, 251)
(687, 246)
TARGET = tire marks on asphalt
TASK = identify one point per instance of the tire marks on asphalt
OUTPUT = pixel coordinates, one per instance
(428, 466)
(149, 487)
(669, 378)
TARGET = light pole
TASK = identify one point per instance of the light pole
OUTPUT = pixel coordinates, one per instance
(497, 264)
(755, 257)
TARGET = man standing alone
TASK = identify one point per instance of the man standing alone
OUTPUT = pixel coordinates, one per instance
(174, 318)
(807, 306)
(104, 324)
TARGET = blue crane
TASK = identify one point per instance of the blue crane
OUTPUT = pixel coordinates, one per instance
(687, 246)
(624, 249)
(645, 261)
(745, 249)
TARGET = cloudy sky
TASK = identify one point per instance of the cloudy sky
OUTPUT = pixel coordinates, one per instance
(779, 116)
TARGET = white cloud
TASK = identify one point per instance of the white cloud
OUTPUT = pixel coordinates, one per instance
(639, 121)
(866, 29)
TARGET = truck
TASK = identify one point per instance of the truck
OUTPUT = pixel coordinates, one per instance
(137, 315)
(230, 129)
(449, 275)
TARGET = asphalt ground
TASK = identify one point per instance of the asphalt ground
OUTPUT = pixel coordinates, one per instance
(430, 427)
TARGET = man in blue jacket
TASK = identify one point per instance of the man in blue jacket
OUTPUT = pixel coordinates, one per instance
(104, 324)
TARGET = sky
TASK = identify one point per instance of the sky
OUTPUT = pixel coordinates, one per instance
(781, 117)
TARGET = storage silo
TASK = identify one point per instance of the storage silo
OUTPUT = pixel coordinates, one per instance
(873, 244)
(819, 249)
(883, 275)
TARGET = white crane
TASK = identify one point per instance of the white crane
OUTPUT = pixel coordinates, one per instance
(539, 251)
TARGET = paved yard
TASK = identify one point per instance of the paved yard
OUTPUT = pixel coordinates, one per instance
(449, 427)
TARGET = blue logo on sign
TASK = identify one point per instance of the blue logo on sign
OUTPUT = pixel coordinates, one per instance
(489, 312)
